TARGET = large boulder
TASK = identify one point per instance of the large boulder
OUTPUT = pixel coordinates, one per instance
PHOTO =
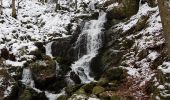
(124, 9)
(44, 74)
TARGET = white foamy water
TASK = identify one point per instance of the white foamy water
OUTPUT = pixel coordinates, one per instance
(93, 32)
(48, 49)
(27, 78)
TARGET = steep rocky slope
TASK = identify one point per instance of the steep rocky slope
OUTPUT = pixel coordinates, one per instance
(106, 49)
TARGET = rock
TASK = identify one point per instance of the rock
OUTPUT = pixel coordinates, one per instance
(37, 53)
(40, 46)
(141, 22)
(97, 90)
(44, 75)
(80, 92)
(30, 94)
(4, 53)
(142, 54)
(127, 43)
(126, 8)
(88, 88)
(75, 78)
(62, 97)
(71, 89)
(78, 97)
(6, 81)
(60, 47)
(103, 82)
(105, 95)
(152, 3)
(113, 74)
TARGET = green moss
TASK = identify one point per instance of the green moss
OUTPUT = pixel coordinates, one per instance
(113, 74)
(26, 95)
(80, 92)
(97, 90)
(88, 87)
(62, 97)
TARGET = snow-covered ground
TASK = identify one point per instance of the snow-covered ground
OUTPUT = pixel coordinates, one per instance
(35, 22)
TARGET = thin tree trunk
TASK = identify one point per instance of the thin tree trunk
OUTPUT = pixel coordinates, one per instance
(76, 4)
(1, 12)
(57, 6)
(14, 14)
(164, 7)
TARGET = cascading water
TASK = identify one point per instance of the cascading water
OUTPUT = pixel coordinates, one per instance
(93, 33)
(27, 78)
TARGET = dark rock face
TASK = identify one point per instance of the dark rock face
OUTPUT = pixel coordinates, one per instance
(21, 92)
(60, 47)
(113, 74)
(4, 53)
(126, 8)
(75, 78)
(40, 46)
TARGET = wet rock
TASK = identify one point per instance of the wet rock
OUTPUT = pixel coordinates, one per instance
(75, 77)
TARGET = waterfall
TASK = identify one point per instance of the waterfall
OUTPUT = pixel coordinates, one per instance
(93, 34)
(48, 49)
(27, 78)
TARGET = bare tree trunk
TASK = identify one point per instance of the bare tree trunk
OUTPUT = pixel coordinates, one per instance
(1, 12)
(14, 14)
(76, 4)
(57, 6)
(164, 7)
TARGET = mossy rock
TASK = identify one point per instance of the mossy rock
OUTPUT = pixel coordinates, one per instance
(97, 90)
(30, 94)
(78, 97)
(127, 43)
(104, 96)
(71, 89)
(80, 92)
(113, 74)
(103, 82)
(141, 22)
(62, 97)
(42, 69)
(88, 88)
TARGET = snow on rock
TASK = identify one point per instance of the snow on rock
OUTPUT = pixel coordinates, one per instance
(14, 63)
(165, 67)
